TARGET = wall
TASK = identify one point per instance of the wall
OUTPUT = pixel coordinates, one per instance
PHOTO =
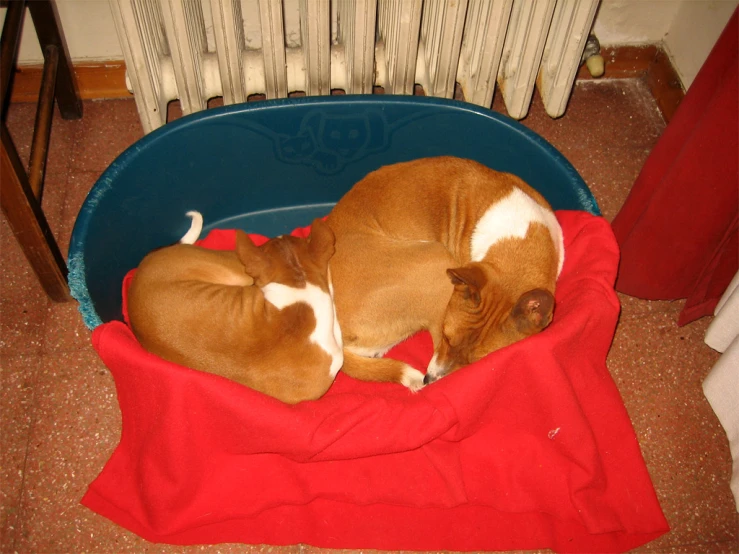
(88, 28)
(687, 28)
(702, 22)
(634, 21)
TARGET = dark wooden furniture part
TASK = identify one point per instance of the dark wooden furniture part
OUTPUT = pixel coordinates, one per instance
(21, 189)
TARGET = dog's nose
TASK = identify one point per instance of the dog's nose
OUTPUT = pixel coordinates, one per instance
(426, 379)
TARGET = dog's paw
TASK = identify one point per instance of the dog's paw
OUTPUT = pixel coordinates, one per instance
(412, 378)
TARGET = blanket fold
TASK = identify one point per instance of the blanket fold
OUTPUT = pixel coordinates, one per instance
(530, 447)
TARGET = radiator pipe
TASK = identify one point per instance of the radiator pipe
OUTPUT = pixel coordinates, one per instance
(592, 58)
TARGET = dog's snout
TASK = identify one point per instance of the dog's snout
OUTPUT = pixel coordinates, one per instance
(428, 379)
(434, 371)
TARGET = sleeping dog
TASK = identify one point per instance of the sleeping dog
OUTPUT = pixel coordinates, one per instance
(262, 316)
(446, 245)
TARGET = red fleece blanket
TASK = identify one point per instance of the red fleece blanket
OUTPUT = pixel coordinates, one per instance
(528, 448)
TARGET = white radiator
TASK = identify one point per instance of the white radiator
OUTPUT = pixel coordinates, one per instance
(195, 50)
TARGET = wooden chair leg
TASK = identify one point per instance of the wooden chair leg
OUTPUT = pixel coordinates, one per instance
(49, 31)
(9, 41)
(20, 190)
(29, 224)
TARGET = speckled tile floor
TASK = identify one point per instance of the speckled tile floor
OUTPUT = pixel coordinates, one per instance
(59, 418)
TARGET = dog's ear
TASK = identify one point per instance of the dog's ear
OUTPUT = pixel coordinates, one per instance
(256, 264)
(322, 242)
(468, 281)
(533, 311)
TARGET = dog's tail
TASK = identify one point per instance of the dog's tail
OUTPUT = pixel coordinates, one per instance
(384, 370)
(196, 227)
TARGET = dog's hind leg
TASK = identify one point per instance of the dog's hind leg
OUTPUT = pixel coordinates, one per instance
(384, 370)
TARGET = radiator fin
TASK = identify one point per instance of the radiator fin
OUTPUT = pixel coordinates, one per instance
(315, 20)
(140, 28)
(151, 25)
(228, 29)
(568, 34)
(482, 48)
(398, 25)
(356, 28)
(522, 51)
(441, 40)
(273, 48)
(185, 31)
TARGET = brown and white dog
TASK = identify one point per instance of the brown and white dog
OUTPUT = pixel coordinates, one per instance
(445, 245)
(262, 316)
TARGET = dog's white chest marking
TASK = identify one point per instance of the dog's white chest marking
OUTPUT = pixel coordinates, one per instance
(327, 333)
(510, 217)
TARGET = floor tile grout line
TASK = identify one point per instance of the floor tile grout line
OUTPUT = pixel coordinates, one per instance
(69, 169)
(42, 352)
(32, 416)
(76, 141)
(648, 313)
(68, 162)
(672, 547)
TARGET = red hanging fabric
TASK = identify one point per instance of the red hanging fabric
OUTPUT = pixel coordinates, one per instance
(678, 228)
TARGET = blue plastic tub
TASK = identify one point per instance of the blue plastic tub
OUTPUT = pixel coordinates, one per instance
(269, 167)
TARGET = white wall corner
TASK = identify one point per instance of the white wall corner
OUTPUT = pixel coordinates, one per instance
(693, 33)
(686, 29)
(634, 22)
(88, 28)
